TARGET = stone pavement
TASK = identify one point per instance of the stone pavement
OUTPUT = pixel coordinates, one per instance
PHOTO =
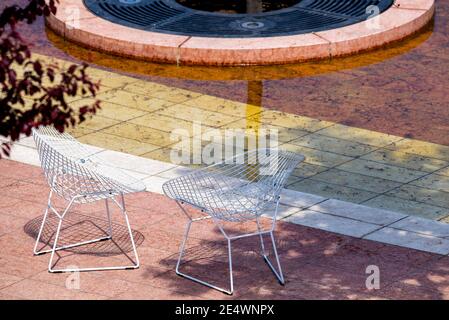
(317, 264)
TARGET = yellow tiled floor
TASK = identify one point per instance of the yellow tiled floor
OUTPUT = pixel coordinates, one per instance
(421, 148)
(335, 145)
(133, 100)
(359, 135)
(342, 162)
(406, 160)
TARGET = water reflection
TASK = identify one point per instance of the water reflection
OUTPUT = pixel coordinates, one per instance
(253, 75)
(397, 89)
(245, 73)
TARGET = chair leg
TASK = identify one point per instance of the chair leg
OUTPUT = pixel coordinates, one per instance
(262, 245)
(58, 230)
(55, 247)
(279, 274)
(44, 220)
(181, 253)
(231, 278)
(109, 218)
(183, 244)
(35, 250)
(125, 214)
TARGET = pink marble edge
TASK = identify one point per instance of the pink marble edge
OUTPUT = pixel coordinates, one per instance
(127, 41)
(415, 4)
(274, 42)
(63, 13)
(114, 38)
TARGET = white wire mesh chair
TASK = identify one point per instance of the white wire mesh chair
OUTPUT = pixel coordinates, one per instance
(76, 175)
(236, 190)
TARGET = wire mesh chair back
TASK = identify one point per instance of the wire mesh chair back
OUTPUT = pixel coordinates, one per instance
(71, 170)
(237, 189)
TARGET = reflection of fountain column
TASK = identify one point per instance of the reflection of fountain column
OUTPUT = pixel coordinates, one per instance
(254, 106)
(254, 6)
(253, 115)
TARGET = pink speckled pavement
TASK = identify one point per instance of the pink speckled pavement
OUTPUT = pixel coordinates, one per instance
(317, 264)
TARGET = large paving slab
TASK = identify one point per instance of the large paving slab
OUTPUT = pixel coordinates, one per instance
(424, 226)
(411, 207)
(411, 240)
(358, 212)
(331, 223)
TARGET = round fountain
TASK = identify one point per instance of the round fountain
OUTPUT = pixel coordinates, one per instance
(238, 32)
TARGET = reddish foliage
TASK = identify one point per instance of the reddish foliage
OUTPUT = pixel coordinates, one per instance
(43, 89)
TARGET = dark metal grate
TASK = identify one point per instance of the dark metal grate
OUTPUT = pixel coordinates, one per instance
(354, 8)
(300, 20)
(197, 25)
(167, 16)
(142, 15)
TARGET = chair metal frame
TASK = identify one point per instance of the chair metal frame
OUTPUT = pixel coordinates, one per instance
(278, 273)
(210, 214)
(65, 159)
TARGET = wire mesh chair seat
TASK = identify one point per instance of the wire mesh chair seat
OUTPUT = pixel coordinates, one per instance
(75, 174)
(238, 189)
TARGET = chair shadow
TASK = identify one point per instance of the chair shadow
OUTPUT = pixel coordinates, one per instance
(208, 261)
(316, 266)
(79, 227)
